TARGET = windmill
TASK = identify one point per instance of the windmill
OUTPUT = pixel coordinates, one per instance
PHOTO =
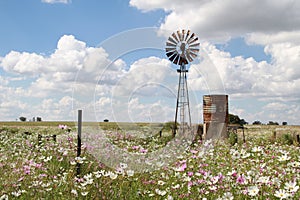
(182, 47)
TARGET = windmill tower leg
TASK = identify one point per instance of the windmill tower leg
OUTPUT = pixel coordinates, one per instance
(182, 102)
(177, 104)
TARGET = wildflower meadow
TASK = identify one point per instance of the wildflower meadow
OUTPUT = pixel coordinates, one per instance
(260, 168)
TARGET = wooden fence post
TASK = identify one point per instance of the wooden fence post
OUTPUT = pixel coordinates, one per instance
(79, 139)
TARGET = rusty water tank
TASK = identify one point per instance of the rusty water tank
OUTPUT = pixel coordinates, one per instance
(215, 116)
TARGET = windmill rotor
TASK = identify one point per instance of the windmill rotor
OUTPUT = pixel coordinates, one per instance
(182, 47)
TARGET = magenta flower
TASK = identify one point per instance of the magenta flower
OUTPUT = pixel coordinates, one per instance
(182, 167)
(190, 173)
(26, 169)
(241, 179)
(61, 126)
(143, 150)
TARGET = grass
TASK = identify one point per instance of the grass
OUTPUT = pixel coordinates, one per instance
(259, 169)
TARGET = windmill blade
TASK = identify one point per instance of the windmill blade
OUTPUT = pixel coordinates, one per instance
(189, 56)
(187, 35)
(191, 37)
(171, 40)
(194, 50)
(194, 45)
(169, 54)
(171, 51)
(177, 58)
(173, 57)
(170, 44)
(170, 48)
(179, 35)
(194, 40)
(194, 55)
(175, 37)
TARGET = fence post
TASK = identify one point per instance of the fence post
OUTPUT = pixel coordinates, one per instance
(244, 139)
(39, 139)
(79, 139)
(274, 135)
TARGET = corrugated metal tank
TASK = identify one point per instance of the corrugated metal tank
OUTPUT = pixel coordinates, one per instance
(215, 116)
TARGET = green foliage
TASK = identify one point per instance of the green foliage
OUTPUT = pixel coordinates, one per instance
(22, 119)
(234, 119)
(168, 126)
(257, 123)
(287, 139)
(233, 138)
(273, 123)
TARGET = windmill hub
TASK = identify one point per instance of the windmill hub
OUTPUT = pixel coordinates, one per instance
(182, 48)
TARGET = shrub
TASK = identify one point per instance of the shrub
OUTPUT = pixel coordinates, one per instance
(287, 139)
(169, 126)
(22, 119)
(233, 138)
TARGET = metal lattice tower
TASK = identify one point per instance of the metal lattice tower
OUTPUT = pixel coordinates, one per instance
(183, 100)
(181, 48)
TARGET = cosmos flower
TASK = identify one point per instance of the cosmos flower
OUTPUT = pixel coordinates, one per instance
(253, 190)
(291, 186)
(284, 157)
(282, 194)
(160, 192)
(130, 172)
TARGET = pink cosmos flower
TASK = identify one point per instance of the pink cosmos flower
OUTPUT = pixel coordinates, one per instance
(190, 173)
(26, 169)
(143, 150)
(135, 147)
(182, 167)
(241, 179)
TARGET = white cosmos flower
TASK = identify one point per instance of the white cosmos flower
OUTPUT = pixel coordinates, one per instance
(253, 190)
(256, 149)
(160, 192)
(160, 182)
(263, 179)
(84, 193)
(130, 172)
(169, 197)
(123, 165)
(73, 191)
(79, 160)
(4, 197)
(282, 194)
(176, 186)
(291, 186)
(284, 157)
(228, 196)
(113, 175)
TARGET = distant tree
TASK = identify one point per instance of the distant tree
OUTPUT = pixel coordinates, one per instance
(272, 123)
(106, 120)
(38, 119)
(284, 123)
(22, 119)
(257, 123)
(234, 119)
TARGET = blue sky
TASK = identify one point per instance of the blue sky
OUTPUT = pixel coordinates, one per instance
(34, 26)
(57, 56)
